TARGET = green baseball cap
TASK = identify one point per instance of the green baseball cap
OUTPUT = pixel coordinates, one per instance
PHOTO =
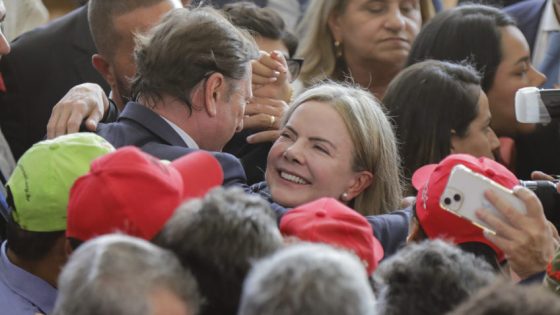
(41, 182)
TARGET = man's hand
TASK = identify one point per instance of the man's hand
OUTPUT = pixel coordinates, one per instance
(526, 239)
(86, 101)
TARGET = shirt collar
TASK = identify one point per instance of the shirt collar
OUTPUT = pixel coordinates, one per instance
(30, 287)
(185, 136)
(549, 21)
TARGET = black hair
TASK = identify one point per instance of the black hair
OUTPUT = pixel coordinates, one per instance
(427, 102)
(30, 246)
(263, 22)
(470, 32)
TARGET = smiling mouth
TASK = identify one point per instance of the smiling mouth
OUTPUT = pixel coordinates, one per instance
(293, 178)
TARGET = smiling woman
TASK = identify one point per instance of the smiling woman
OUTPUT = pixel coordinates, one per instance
(335, 142)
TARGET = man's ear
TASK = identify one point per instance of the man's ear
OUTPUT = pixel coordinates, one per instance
(215, 90)
(104, 68)
(68, 248)
(361, 181)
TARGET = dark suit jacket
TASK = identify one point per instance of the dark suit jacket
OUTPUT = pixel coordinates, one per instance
(139, 126)
(42, 66)
(528, 16)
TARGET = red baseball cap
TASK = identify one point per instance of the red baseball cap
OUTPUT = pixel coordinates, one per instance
(430, 181)
(326, 220)
(134, 193)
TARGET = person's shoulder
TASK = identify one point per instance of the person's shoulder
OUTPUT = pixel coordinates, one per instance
(12, 302)
(391, 229)
(522, 6)
(51, 33)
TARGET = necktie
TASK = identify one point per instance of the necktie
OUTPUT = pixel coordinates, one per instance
(551, 61)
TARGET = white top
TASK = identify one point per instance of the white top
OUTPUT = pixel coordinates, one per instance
(23, 16)
(185, 136)
(549, 23)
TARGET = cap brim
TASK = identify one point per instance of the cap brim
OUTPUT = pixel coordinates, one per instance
(421, 176)
(200, 172)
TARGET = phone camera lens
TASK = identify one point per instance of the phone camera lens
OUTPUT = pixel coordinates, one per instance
(447, 201)
(457, 197)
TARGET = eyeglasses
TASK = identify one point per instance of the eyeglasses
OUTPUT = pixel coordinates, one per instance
(294, 66)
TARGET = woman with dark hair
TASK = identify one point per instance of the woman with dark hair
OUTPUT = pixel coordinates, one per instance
(446, 112)
(489, 39)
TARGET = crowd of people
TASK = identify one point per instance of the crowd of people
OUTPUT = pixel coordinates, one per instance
(169, 157)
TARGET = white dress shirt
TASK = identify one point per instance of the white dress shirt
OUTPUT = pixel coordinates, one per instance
(185, 136)
(549, 23)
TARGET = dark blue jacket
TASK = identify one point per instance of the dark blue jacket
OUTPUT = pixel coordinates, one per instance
(139, 126)
(390, 229)
(528, 16)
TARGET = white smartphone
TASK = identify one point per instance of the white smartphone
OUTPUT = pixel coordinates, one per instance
(464, 194)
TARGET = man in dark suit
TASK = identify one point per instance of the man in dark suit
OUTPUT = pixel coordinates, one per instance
(539, 20)
(42, 66)
(528, 16)
(192, 82)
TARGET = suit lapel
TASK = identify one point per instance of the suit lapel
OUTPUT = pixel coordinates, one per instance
(152, 122)
(529, 18)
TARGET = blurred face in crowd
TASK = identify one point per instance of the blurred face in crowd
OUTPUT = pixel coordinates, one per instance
(4, 45)
(376, 31)
(313, 157)
(515, 71)
(121, 64)
(479, 140)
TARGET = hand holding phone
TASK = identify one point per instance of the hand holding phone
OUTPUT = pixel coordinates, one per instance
(464, 194)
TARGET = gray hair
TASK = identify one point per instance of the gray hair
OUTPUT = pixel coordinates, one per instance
(310, 279)
(218, 238)
(506, 297)
(431, 277)
(116, 274)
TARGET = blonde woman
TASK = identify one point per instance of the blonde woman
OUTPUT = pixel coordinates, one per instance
(335, 142)
(364, 41)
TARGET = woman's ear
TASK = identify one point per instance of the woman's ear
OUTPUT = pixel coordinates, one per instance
(333, 23)
(361, 181)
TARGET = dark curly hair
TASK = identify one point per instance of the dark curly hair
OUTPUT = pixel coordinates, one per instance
(431, 278)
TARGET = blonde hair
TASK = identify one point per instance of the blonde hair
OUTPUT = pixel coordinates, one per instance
(374, 141)
(316, 44)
